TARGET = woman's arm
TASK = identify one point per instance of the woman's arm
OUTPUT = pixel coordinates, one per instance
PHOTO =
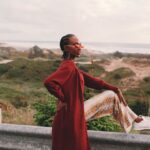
(96, 83)
(99, 84)
(55, 81)
(54, 88)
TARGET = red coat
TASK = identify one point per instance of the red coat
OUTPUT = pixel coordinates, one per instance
(69, 130)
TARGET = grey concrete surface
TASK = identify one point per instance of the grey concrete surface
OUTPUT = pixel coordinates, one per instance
(23, 137)
(118, 141)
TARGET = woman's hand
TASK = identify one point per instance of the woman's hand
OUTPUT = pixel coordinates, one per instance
(61, 105)
(120, 96)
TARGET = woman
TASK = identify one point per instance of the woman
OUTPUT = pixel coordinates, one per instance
(69, 131)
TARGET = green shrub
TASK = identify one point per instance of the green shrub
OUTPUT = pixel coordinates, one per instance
(3, 68)
(140, 108)
(115, 76)
(137, 100)
(104, 124)
(19, 102)
(28, 70)
(45, 111)
(93, 69)
(84, 67)
(118, 54)
(45, 114)
(145, 86)
(147, 79)
(88, 92)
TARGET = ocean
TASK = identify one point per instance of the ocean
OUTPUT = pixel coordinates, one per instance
(95, 47)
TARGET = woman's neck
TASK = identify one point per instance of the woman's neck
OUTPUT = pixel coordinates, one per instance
(69, 57)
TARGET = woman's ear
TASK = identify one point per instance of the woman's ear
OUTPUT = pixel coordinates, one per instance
(65, 48)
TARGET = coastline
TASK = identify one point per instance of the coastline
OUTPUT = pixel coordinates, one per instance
(95, 48)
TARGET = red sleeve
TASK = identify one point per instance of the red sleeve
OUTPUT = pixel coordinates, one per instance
(54, 82)
(96, 83)
(54, 89)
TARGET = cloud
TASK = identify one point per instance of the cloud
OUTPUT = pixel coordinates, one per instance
(96, 20)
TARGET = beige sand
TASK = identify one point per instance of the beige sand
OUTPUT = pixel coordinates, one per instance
(140, 70)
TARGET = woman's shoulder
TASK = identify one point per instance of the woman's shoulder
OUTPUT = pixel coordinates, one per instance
(67, 64)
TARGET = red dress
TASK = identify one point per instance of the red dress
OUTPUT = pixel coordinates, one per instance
(69, 131)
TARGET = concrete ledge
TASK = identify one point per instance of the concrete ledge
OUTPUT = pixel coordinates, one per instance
(23, 137)
(118, 141)
(26, 130)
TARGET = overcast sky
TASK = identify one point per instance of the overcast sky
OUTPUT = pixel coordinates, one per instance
(90, 20)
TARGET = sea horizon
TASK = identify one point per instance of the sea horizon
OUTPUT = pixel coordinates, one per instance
(106, 47)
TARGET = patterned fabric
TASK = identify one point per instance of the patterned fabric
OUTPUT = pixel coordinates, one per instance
(108, 103)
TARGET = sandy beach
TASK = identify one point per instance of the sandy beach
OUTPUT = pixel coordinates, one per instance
(5, 61)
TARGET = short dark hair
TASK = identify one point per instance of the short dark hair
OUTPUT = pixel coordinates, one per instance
(65, 40)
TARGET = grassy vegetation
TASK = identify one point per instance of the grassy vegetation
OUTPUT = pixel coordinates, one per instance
(45, 114)
(21, 85)
(129, 55)
(115, 77)
(21, 88)
(28, 70)
(145, 85)
(45, 111)
(137, 100)
(104, 124)
(93, 69)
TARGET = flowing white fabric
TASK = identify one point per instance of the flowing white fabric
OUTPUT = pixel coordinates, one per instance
(143, 125)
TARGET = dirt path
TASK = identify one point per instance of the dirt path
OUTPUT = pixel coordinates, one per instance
(5, 61)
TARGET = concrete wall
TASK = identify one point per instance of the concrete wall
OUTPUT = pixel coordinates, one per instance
(22, 137)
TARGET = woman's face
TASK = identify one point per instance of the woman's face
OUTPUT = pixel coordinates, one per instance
(74, 47)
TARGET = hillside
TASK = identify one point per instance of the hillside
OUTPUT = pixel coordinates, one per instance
(21, 83)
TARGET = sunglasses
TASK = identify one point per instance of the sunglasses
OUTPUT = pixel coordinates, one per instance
(74, 44)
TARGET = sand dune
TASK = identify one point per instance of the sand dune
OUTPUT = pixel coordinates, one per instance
(141, 70)
(5, 61)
